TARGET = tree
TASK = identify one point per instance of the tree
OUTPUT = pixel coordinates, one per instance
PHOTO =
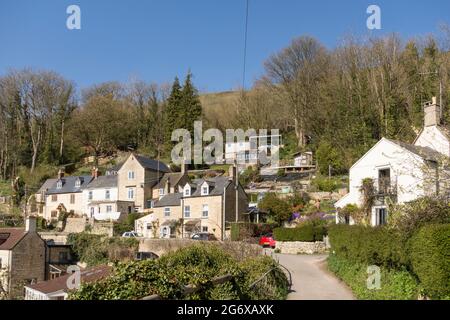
(190, 104)
(103, 125)
(278, 209)
(173, 112)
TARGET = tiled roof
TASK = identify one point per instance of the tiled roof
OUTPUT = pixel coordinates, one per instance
(169, 200)
(69, 184)
(173, 178)
(9, 237)
(58, 284)
(103, 182)
(423, 152)
(148, 163)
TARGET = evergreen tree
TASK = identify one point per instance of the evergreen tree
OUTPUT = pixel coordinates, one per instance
(173, 112)
(192, 108)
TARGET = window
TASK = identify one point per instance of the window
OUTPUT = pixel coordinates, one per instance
(99, 210)
(149, 204)
(187, 191)
(205, 211)
(149, 226)
(381, 215)
(130, 193)
(107, 194)
(54, 197)
(90, 195)
(384, 181)
(54, 214)
(166, 212)
(72, 199)
(92, 212)
(205, 190)
(78, 183)
(161, 192)
(130, 175)
(187, 211)
(108, 209)
(204, 229)
(59, 185)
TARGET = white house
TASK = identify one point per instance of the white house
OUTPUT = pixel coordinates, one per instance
(101, 199)
(400, 171)
(144, 226)
(250, 150)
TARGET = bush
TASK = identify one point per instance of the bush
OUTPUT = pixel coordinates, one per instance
(195, 265)
(305, 233)
(99, 249)
(430, 259)
(368, 245)
(327, 155)
(244, 230)
(326, 184)
(394, 285)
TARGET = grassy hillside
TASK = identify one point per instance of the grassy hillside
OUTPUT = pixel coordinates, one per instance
(218, 99)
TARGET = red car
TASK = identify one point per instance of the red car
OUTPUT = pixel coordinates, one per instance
(267, 241)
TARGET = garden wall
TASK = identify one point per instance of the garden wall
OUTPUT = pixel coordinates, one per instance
(298, 247)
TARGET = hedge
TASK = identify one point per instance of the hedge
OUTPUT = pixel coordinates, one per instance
(304, 233)
(368, 245)
(244, 230)
(430, 259)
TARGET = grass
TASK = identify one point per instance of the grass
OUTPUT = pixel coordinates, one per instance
(5, 188)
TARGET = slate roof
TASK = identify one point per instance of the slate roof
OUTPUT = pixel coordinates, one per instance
(423, 152)
(47, 185)
(9, 237)
(173, 179)
(103, 182)
(148, 163)
(60, 283)
(217, 186)
(169, 200)
(69, 185)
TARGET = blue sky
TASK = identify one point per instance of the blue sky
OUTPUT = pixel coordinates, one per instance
(155, 40)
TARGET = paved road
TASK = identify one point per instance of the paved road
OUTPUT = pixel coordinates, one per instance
(311, 280)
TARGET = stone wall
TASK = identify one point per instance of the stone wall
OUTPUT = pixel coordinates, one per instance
(297, 247)
(239, 250)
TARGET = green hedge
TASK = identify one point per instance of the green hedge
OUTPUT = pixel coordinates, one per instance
(244, 230)
(430, 259)
(368, 245)
(305, 233)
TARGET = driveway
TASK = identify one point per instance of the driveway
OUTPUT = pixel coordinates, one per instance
(311, 280)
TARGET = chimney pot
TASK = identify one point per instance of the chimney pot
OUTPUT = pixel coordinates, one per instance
(60, 174)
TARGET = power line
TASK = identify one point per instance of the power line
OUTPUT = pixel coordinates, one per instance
(245, 45)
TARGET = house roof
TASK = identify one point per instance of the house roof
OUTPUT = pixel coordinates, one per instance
(152, 164)
(47, 185)
(69, 184)
(10, 237)
(169, 200)
(423, 152)
(173, 178)
(217, 186)
(58, 284)
(103, 182)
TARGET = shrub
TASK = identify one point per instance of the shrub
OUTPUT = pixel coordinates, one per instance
(430, 258)
(195, 265)
(395, 284)
(278, 209)
(326, 184)
(378, 246)
(244, 230)
(305, 233)
(326, 156)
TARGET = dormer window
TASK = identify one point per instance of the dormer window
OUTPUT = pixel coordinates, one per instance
(205, 189)
(78, 183)
(161, 192)
(187, 190)
(59, 184)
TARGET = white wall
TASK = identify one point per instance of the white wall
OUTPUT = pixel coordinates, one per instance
(98, 194)
(406, 168)
(433, 137)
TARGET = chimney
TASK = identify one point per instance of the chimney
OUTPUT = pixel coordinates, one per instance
(30, 224)
(94, 172)
(432, 113)
(183, 166)
(232, 173)
(60, 174)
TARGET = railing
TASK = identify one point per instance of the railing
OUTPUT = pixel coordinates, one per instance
(385, 186)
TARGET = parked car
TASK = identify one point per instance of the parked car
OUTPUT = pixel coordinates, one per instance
(267, 240)
(146, 256)
(204, 236)
(130, 234)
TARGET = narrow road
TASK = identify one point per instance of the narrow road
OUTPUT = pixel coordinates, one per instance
(311, 280)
